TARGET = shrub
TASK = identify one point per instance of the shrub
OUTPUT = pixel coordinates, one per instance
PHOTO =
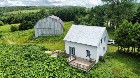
(14, 27)
(25, 25)
(1, 23)
(0, 35)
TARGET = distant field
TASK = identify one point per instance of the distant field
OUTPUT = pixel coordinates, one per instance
(22, 11)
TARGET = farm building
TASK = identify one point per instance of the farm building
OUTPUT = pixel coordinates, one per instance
(50, 26)
(85, 44)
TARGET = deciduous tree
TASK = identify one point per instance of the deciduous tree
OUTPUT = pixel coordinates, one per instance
(120, 9)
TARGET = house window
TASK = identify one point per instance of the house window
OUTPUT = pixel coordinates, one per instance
(101, 41)
(72, 50)
(104, 38)
(88, 53)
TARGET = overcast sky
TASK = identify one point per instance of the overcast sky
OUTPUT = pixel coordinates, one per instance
(86, 3)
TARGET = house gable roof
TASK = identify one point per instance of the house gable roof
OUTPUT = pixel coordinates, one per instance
(89, 35)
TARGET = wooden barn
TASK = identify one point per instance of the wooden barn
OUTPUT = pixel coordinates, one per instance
(50, 26)
(85, 44)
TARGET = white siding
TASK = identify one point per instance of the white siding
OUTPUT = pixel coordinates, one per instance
(80, 50)
(100, 47)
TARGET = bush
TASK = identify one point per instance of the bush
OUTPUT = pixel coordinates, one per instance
(14, 27)
(1, 23)
(0, 35)
(25, 25)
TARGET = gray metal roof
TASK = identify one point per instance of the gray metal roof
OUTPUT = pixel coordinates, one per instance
(89, 35)
(43, 22)
(57, 18)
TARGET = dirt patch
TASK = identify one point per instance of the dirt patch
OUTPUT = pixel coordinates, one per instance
(10, 42)
(54, 55)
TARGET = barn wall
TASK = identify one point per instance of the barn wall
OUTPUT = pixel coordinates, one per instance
(80, 50)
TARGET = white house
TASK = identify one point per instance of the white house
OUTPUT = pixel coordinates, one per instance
(50, 26)
(85, 43)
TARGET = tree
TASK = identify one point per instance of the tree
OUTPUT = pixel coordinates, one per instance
(68, 13)
(1, 23)
(120, 9)
(135, 34)
(96, 17)
(136, 17)
(128, 35)
(43, 13)
(25, 25)
(123, 35)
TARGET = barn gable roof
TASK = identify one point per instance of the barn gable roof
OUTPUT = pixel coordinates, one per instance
(44, 22)
(89, 35)
(57, 18)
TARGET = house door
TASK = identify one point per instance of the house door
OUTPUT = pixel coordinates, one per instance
(72, 50)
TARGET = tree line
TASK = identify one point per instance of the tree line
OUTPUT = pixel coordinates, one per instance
(111, 13)
(28, 20)
(68, 13)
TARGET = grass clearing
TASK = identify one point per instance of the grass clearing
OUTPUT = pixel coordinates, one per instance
(27, 36)
(5, 28)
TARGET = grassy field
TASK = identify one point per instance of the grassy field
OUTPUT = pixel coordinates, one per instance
(116, 64)
(26, 37)
(21, 11)
(5, 28)
(29, 61)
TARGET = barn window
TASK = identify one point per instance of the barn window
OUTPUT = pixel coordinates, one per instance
(88, 53)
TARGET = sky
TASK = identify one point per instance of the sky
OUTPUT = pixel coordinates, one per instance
(85, 3)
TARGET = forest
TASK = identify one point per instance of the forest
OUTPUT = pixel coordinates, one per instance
(22, 55)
